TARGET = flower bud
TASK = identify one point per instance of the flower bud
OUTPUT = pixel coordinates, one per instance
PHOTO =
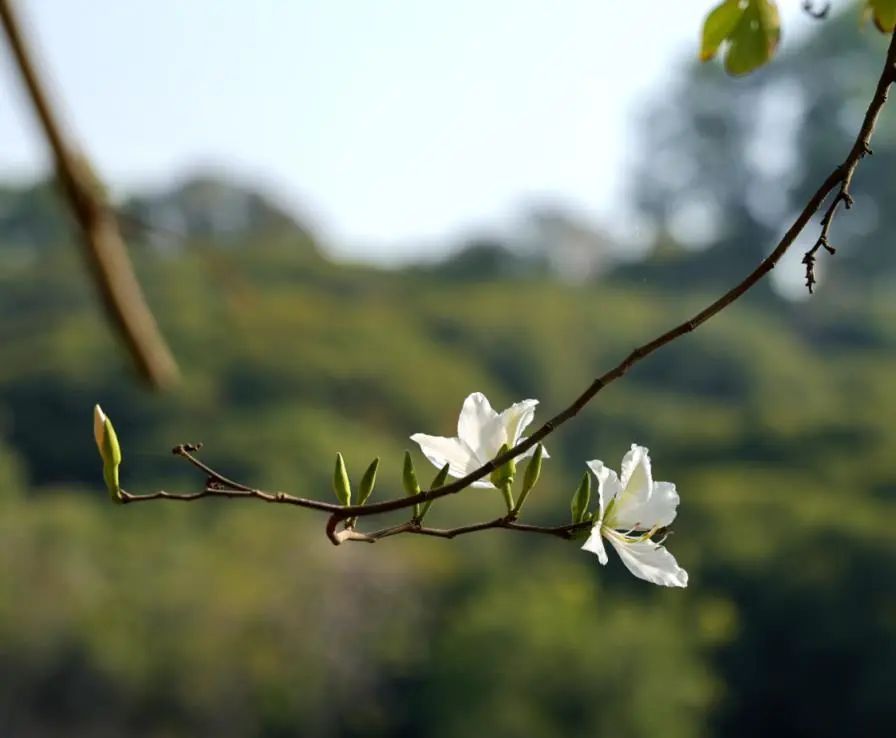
(409, 479)
(438, 481)
(579, 505)
(110, 452)
(505, 473)
(530, 476)
(368, 481)
(341, 486)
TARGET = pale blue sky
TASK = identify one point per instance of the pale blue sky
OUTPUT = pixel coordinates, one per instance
(393, 124)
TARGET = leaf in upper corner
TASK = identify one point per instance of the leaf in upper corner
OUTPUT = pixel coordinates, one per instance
(883, 13)
(750, 30)
(755, 39)
(718, 26)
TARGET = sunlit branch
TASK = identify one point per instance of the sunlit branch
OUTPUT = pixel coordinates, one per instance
(104, 248)
(839, 180)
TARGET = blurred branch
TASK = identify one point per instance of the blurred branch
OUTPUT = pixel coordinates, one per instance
(104, 248)
(840, 178)
(819, 13)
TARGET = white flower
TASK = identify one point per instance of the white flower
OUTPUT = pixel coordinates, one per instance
(635, 504)
(480, 434)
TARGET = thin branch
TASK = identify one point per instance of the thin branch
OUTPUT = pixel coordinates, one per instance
(224, 493)
(559, 531)
(104, 248)
(840, 178)
(841, 175)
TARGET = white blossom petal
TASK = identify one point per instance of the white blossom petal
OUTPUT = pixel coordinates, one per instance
(480, 428)
(608, 484)
(451, 451)
(649, 561)
(595, 544)
(661, 507)
(637, 486)
(516, 418)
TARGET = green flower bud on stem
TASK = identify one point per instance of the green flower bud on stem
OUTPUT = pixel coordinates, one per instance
(579, 505)
(110, 452)
(507, 491)
(341, 486)
(504, 473)
(365, 489)
(368, 481)
(530, 476)
(409, 479)
(438, 481)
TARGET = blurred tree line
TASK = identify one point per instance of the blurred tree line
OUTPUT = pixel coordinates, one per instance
(228, 619)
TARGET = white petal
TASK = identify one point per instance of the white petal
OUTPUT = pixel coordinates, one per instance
(451, 451)
(608, 485)
(480, 427)
(595, 544)
(661, 506)
(637, 484)
(516, 418)
(650, 561)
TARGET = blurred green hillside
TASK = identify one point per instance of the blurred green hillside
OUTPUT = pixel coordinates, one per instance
(240, 619)
(228, 618)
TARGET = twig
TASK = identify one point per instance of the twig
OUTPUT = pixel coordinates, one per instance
(104, 248)
(845, 172)
(841, 177)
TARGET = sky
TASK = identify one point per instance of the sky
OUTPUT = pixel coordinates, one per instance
(392, 126)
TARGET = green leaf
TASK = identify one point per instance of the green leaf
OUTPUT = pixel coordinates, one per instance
(341, 486)
(368, 481)
(579, 504)
(750, 29)
(883, 13)
(718, 26)
(755, 38)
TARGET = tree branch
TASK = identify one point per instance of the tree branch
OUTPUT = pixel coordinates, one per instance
(839, 180)
(104, 248)
(841, 176)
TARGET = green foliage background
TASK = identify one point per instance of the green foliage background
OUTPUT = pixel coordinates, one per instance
(240, 619)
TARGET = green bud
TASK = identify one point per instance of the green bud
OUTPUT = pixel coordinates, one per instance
(530, 476)
(579, 505)
(409, 476)
(368, 481)
(505, 473)
(409, 479)
(438, 481)
(110, 452)
(342, 488)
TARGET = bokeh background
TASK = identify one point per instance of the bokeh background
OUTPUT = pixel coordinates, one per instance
(350, 318)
